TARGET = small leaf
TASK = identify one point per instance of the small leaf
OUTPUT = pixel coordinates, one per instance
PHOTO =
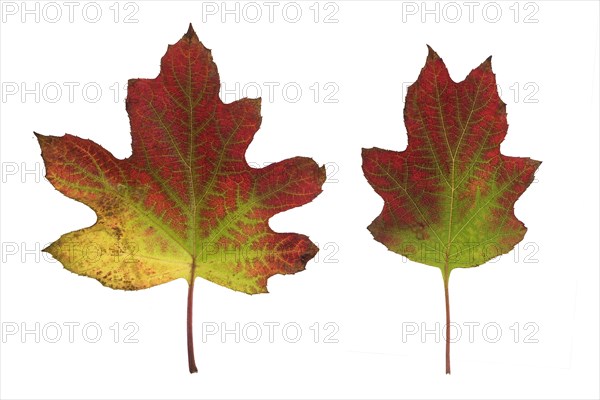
(449, 197)
(185, 204)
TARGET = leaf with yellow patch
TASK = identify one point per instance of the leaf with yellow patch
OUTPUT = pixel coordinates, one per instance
(185, 204)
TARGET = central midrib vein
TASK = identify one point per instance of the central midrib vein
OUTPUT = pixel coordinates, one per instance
(453, 155)
(192, 228)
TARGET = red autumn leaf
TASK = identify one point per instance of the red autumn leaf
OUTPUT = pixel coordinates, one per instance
(449, 197)
(185, 204)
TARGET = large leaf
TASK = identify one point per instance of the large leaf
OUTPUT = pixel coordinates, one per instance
(185, 204)
(449, 197)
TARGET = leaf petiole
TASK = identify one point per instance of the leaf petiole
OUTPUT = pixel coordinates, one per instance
(446, 280)
(190, 336)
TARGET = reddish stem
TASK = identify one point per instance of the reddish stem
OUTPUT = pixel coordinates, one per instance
(190, 336)
(447, 324)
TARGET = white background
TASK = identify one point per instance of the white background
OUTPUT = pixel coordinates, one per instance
(371, 53)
